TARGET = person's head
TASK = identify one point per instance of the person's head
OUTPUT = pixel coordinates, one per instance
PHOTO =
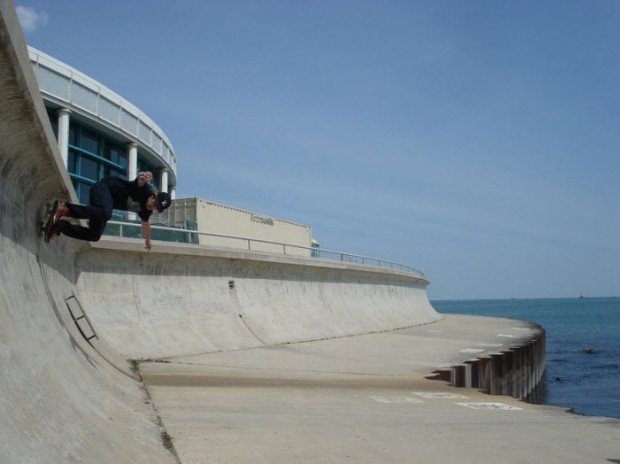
(158, 202)
(145, 177)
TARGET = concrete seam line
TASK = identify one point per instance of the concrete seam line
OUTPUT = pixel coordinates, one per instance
(160, 423)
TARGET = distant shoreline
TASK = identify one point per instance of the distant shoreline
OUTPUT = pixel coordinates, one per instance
(452, 300)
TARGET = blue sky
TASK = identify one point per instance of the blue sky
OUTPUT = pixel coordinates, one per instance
(477, 140)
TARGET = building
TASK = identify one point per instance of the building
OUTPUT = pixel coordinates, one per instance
(100, 133)
(228, 226)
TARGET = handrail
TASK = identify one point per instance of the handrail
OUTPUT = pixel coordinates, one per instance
(314, 252)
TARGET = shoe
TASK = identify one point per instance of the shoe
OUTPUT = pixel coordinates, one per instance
(54, 232)
(61, 211)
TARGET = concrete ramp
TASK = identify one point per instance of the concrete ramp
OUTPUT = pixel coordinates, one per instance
(60, 402)
(180, 300)
(64, 398)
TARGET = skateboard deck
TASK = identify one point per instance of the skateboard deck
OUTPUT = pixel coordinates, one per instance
(48, 221)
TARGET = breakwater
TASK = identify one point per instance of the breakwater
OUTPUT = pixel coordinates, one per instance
(514, 372)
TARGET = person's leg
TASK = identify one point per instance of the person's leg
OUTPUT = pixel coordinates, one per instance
(98, 214)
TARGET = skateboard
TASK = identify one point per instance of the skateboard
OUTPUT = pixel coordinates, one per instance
(48, 221)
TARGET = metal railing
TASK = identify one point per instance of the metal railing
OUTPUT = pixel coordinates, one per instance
(286, 248)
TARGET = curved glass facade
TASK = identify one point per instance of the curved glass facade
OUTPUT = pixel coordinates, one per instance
(91, 156)
(100, 134)
(97, 130)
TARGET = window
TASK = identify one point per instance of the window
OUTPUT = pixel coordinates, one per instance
(53, 121)
(83, 192)
(122, 160)
(115, 153)
(92, 155)
(73, 135)
(73, 162)
(90, 142)
(111, 172)
(89, 168)
(121, 174)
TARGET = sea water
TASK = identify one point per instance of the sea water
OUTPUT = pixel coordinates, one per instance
(583, 347)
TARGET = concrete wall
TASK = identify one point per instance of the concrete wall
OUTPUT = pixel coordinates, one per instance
(178, 300)
(513, 372)
(60, 401)
(215, 218)
(65, 400)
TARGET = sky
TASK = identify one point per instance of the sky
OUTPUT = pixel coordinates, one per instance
(478, 141)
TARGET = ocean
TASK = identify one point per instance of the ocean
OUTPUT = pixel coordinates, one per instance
(583, 347)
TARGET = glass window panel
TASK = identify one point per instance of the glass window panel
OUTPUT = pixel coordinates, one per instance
(72, 162)
(89, 142)
(111, 172)
(114, 155)
(106, 150)
(53, 121)
(83, 192)
(72, 135)
(113, 152)
(89, 168)
(122, 160)
(120, 174)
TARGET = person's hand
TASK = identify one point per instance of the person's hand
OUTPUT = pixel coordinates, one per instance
(147, 244)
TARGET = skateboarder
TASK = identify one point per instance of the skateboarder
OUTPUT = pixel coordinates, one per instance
(107, 194)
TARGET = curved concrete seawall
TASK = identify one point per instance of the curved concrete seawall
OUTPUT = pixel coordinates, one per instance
(235, 387)
(59, 400)
(63, 399)
(515, 371)
(180, 300)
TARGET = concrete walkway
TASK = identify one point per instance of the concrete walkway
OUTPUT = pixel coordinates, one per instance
(365, 399)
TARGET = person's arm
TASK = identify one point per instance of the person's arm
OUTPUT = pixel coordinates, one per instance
(146, 233)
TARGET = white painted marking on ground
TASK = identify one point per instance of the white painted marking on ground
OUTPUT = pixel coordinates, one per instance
(396, 399)
(435, 331)
(472, 350)
(490, 345)
(491, 406)
(507, 336)
(439, 395)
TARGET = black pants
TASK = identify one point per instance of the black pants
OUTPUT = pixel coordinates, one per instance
(98, 214)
